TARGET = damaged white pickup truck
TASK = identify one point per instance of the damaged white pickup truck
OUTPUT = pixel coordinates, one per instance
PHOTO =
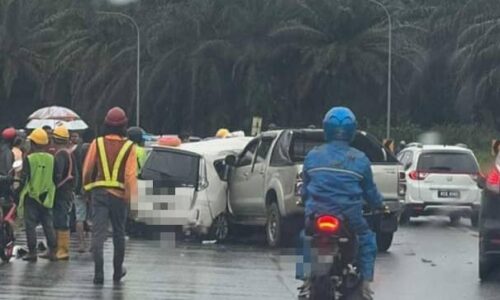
(264, 182)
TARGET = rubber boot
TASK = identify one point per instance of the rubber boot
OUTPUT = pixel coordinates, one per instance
(50, 255)
(62, 245)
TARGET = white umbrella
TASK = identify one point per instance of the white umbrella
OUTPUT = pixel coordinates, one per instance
(55, 115)
(71, 125)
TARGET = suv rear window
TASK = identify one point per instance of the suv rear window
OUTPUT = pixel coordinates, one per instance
(447, 162)
(171, 168)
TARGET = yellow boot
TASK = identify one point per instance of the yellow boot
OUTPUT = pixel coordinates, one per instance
(62, 245)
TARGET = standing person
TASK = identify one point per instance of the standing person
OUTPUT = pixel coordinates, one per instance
(6, 155)
(68, 170)
(37, 195)
(109, 173)
(6, 161)
(135, 134)
(79, 151)
(337, 179)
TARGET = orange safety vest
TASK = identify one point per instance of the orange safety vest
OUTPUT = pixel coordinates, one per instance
(110, 152)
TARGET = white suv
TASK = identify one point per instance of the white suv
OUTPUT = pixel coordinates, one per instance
(440, 180)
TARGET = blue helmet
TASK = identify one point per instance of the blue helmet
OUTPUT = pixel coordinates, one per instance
(340, 124)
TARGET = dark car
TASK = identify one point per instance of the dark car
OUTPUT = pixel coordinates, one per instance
(489, 224)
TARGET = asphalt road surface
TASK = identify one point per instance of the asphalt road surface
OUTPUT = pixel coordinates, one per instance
(429, 260)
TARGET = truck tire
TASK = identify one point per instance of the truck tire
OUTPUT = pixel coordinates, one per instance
(474, 219)
(484, 269)
(274, 226)
(455, 219)
(220, 228)
(384, 241)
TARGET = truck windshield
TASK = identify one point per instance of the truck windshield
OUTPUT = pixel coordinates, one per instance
(171, 168)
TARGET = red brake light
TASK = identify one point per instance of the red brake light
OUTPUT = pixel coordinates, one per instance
(417, 175)
(493, 179)
(327, 224)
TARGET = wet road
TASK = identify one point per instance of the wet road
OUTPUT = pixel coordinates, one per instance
(429, 260)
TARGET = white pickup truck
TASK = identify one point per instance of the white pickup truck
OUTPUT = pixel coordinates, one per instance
(264, 182)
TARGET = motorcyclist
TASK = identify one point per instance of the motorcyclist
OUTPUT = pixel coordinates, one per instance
(337, 179)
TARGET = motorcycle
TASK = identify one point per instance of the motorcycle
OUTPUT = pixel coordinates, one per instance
(7, 220)
(334, 270)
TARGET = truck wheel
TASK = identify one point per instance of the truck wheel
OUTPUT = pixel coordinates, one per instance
(404, 219)
(384, 241)
(474, 219)
(455, 219)
(220, 228)
(273, 226)
(484, 269)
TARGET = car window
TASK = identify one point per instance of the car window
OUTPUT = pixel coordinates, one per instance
(372, 149)
(246, 157)
(171, 168)
(447, 162)
(264, 148)
(220, 168)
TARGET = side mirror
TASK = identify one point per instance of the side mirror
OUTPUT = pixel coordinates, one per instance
(481, 182)
(230, 160)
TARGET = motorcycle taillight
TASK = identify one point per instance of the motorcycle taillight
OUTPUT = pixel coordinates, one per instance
(327, 224)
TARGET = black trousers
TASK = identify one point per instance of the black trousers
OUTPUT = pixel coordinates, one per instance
(108, 208)
(34, 214)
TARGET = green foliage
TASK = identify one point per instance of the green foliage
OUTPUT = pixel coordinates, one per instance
(212, 63)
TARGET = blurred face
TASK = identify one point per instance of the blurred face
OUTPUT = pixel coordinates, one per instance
(75, 138)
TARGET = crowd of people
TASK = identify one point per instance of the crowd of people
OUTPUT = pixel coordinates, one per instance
(60, 173)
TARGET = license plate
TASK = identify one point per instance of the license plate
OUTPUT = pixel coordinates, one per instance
(448, 194)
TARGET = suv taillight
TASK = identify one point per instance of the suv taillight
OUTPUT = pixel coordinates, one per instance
(493, 180)
(418, 175)
(402, 184)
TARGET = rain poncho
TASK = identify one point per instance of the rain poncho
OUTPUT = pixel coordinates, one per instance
(338, 179)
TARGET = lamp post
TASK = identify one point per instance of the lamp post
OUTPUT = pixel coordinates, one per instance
(138, 99)
(389, 67)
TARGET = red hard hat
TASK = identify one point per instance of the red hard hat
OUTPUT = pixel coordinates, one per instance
(9, 134)
(116, 117)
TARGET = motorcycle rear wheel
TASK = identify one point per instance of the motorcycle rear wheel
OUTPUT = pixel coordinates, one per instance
(6, 242)
(322, 288)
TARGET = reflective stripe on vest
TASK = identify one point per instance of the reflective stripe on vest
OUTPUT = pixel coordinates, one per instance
(110, 179)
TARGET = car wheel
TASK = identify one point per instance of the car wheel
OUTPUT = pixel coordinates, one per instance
(455, 219)
(474, 219)
(484, 269)
(384, 241)
(6, 245)
(273, 226)
(220, 228)
(404, 219)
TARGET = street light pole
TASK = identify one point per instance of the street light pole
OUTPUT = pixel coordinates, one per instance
(389, 68)
(138, 67)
